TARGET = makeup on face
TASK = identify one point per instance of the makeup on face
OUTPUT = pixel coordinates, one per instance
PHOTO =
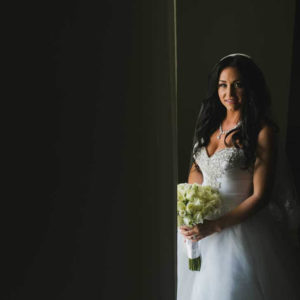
(230, 88)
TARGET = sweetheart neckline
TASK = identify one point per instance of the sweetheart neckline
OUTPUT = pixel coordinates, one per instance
(205, 150)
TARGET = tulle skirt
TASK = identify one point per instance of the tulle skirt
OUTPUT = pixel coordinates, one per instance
(253, 260)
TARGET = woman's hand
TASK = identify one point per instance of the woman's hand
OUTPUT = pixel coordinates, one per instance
(199, 231)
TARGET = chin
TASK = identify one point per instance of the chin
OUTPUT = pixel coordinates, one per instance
(233, 107)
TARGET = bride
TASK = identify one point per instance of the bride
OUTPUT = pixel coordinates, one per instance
(246, 253)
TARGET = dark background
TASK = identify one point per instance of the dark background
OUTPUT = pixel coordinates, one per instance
(89, 125)
(70, 84)
(91, 151)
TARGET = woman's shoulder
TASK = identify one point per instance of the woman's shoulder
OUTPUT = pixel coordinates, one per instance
(268, 134)
(268, 128)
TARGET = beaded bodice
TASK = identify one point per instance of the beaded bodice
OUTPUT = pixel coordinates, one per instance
(222, 170)
(221, 162)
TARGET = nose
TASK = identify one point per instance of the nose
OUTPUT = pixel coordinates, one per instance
(230, 91)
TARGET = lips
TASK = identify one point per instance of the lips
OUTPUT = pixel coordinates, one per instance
(230, 101)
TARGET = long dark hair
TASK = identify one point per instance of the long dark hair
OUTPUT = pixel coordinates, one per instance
(255, 107)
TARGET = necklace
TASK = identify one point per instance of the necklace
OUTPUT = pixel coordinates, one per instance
(226, 131)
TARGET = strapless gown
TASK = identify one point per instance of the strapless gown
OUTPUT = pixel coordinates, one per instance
(253, 260)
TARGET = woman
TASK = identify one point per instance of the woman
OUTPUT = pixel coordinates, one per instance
(245, 253)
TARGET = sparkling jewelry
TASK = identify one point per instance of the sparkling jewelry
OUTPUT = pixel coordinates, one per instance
(235, 54)
(226, 131)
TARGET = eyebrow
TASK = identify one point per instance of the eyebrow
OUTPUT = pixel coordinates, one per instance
(234, 81)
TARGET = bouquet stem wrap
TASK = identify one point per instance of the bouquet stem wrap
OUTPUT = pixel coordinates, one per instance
(193, 254)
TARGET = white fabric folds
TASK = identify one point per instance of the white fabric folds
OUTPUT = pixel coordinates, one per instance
(253, 260)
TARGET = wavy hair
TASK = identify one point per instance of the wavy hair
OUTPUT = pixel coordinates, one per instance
(255, 108)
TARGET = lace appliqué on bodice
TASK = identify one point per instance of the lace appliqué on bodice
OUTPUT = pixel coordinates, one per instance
(215, 166)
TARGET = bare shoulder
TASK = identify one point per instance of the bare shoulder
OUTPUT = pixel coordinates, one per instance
(267, 135)
(267, 139)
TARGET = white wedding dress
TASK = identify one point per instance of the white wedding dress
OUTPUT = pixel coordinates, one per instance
(253, 260)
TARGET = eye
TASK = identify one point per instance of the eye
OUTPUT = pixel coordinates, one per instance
(238, 84)
(221, 85)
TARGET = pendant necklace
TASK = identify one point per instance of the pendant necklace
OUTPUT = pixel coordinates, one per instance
(226, 131)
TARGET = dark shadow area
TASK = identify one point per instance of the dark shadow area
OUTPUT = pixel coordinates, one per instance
(91, 126)
(293, 128)
(70, 82)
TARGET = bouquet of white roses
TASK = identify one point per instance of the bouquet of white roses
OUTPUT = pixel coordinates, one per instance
(196, 203)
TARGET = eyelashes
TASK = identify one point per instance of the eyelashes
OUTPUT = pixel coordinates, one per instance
(236, 85)
(239, 85)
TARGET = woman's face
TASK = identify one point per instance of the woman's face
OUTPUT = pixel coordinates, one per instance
(230, 88)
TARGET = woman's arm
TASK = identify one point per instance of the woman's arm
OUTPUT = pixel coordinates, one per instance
(195, 175)
(263, 178)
